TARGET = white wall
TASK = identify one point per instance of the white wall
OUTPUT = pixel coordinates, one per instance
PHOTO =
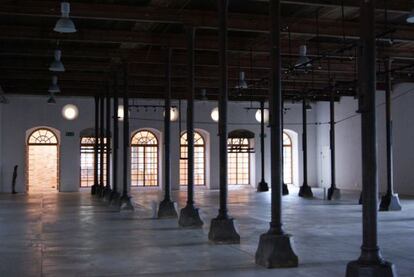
(25, 112)
(348, 140)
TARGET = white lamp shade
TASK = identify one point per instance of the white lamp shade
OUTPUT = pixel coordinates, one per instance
(57, 65)
(65, 24)
(54, 87)
(70, 112)
(121, 112)
(215, 114)
(303, 60)
(174, 113)
(410, 17)
(258, 115)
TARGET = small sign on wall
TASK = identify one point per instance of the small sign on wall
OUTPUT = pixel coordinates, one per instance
(70, 134)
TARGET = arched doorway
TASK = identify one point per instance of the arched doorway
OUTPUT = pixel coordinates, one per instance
(144, 159)
(199, 159)
(287, 159)
(42, 161)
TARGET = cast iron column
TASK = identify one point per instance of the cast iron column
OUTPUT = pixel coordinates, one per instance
(370, 263)
(125, 198)
(107, 191)
(274, 248)
(333, 191)
(101, 147)
(95, 149)
(115, 144)
(167, 207)
(390, 201)
(305, 189)
(189, 216)
(262, 186)
(222, 227)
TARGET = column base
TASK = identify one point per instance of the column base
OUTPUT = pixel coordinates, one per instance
(114, 199)
(167, 209)
(125, 204)
(275, 251)
(98, 191)
(107, 194)
(334, 193)
(379, 269)
(262, 186)
(93, 189)
(285, 189)
(190, 218)
(305, 191)
(222, 231)
(390, 202)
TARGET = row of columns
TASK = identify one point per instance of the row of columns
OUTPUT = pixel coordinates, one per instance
(274, 249)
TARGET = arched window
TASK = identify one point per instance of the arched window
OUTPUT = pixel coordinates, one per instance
(199, 159)
(42, 160)
(144, 159)
(238, 161)
(87, 161)
(287, 159)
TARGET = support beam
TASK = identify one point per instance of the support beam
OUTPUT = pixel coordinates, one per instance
(95, 149)
(101, 147)
(370, 263)
(262, 186)
(305, 190)
(222, 228)
(274, 248)
(126, 203)
(115, 144)
(107, 190)
(189, 215)
(390, 201)
(167, 206)
(333, 191)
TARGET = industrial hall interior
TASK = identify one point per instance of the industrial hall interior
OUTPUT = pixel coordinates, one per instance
(225, 138)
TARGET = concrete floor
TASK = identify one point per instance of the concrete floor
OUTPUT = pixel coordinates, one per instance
(73, 234)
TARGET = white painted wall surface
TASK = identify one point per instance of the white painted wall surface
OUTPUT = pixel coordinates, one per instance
(25, 112)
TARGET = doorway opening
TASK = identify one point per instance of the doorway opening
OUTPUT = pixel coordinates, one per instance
(42, 161)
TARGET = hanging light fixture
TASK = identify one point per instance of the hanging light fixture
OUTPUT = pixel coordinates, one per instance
(121, 112)
(308, 106)
(65, 24)
(57, 65)
(51, 99)
(215, 114)
(242, 81)
(204, 95)
(258, 115)
(303, 60)
(173, 114)
(54, 87)
(410, 17)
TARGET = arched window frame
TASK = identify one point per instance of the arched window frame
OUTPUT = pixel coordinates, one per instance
(148, 147)
(199, 147)
(53, 137)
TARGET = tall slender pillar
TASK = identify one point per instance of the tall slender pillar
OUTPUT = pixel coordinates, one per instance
(125, 203)
(96, 149)
(114, 199)
(274, 248)
(101, 147)
(370, 263)
(189, 216)
(305, 189)
(390, 201)
(262, 186)
(107, 191)
(333, 191)
(167, 207)
(222, 228)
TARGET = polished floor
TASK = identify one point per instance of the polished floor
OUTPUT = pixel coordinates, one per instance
(73, 234)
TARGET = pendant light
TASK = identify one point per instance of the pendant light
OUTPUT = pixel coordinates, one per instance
(57, 65)
(54, 87)
(51, 99)
(65, 24)
(242, 81)
(303, 60)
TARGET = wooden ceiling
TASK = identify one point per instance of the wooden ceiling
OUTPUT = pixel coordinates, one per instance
(139, 32)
